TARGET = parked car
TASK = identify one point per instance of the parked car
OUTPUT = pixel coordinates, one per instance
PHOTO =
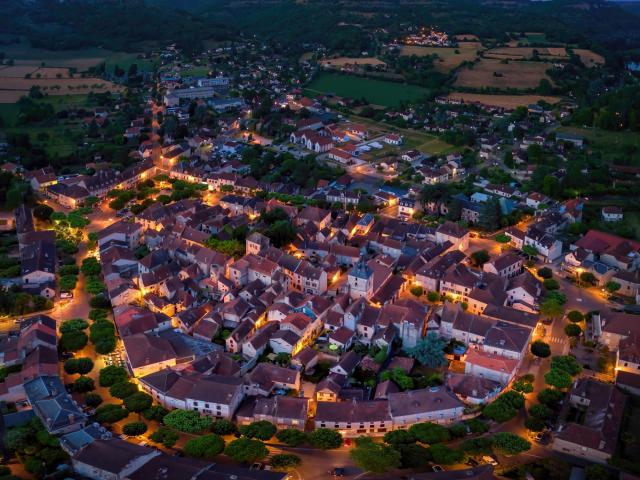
(337, 472)
(437, 468)
(490, 460)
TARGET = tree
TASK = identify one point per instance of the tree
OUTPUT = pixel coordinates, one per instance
(78, 365)
(476, 446)
(42, 212)
(187, 421)
(490, 215)
(83, 385)
(480, 257)
(399, 437)
(444, 455)
(416, 291)
(458, 430)
(285, 460)
(430, 433)
(325, 438)
(551, 308)
(534, 424)
(246, 450)
(95, 287)
(550, 397)
(540, 349)
(599, 472)
(540, 411)
(92, 399)
(103, 336)
(123, 390)
(510, 443)
(111, 375)
(573, 330)
(262, 430)
(412, 455)
(523, 386)
(166, 436)
(375, 457)
(477, 426)
(558, 378)
(74, 325)
(588, 278)
(207, 446)
(138, 402)
(399, 377)
(551, 284)
(291, 437)
(224, 427)
(612, 287)
(110, 413)
(568, 363)
(502, 238)
(134, 428)
(73, 341)
(429, 351)
(156, 412)
(90, 267)
(433, 296)
(545, 272)
(575, 316)
(499, 412)
(530, 251)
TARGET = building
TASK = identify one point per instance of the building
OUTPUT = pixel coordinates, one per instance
(596, 436)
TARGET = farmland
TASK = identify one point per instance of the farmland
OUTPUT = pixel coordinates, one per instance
(526, 53)
(489, 73)
(342, 61)
(448, 58)
(503, 101)
(377, 92)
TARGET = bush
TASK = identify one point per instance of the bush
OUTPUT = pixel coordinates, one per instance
(123, 390)
(262, 430)
(110, 413)
(223, 427)
(207, 446)
(111, 375)
(83, 385)
(430, 433)
(540, 349)
(187, 421)
(92, 399)
(285, 460)
(246, 450)
(291, 437)
(325, 439)
(134, 428)
(166, 436)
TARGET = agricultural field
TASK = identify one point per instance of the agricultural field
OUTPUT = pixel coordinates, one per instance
(526, 53)
(448, 58)
(589, 58)
(503, 101)
(490, 73)
(342, 61)
(377, 92)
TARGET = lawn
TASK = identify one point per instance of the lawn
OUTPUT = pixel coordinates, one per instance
(604, 138)
(195, 71)
(377, 92)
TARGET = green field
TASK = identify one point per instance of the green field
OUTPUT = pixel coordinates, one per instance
(9, 111)
(604, 138)
(377, 92)
(195, 71)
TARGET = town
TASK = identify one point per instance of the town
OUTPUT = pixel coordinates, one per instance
(264, 281)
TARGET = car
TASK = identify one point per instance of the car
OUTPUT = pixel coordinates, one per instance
(437, 468)
(143, 444)
(256, 466)
(123, 436)
(472, 462)
(337, 472)
(490, 460)
(347, 442)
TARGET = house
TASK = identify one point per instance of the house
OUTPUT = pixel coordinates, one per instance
(55, 408)
(602, 409)
(507, 265)
(112, 459)
(434, 404)
(407, 207)
(282, 411)
(393, 139)
(148, 353)
(354, 418)
(548, 246)
(612, 214)
(612, 250)
(473, 389)
(267, 377)
(454, 233)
